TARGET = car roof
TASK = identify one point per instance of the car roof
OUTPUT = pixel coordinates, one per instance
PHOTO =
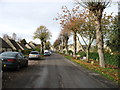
(11, 52)
(15, 53)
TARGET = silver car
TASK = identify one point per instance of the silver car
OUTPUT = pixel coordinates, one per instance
(34, 55)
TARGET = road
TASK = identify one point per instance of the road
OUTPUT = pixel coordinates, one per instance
(54, 71)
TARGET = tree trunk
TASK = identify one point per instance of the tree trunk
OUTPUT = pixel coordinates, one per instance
(62, 49)
(87, 54)
(66, 46)
(99, 39)
(88, 48)
(42, 47)
(75, 43)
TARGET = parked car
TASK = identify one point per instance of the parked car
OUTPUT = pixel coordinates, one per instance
(34, 55)
(14, 60)
(0, 70)
(47, 53)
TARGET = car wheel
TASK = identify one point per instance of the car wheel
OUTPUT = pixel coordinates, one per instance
(18, 67)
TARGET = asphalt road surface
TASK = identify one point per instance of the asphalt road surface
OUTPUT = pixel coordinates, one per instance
(54, 72)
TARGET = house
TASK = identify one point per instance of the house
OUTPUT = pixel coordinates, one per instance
(107, 49)
(33, 45)
(79, 46)
(28, 46)
(22, 46)
(71, 47)
(4, 46)
(13, 44)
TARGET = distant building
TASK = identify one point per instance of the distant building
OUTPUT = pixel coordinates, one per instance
(79, 46)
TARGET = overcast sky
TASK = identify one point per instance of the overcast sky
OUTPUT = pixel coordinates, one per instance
(24, 16)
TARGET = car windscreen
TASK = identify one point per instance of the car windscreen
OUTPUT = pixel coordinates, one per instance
(34, 53)
(8, 54)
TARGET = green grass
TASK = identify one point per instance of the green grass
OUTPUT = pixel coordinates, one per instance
(68, 57)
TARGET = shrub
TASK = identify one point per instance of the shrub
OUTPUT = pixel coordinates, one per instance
(37, 49)
(64, 52)
(26, 51)
(112, 59)
(93, 55)
(82, 54)
(109, 59)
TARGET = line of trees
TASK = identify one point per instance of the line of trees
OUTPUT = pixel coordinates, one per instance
(90, 24)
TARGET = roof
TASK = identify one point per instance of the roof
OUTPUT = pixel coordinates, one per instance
(35, 44)
(15, 44)
(22, 45)
(28, 46)
(4, 44)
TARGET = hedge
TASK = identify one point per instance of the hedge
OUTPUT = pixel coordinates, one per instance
(109, 59)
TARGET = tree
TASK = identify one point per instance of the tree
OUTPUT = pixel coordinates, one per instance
(56, 44)
(14, 36)
(6, 36)
(65, 34)
(87, 31)
(67, 21)
(23, 41)
(43, 34)
(47, 45)
(97, 7)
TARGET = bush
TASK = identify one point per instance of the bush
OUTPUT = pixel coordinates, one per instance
(26, 51)
(109, 59)
(37, 49)
(82, 54)
(93, 55)
(112, 59)
(64, 52)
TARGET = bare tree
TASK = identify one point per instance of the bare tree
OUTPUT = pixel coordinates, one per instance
(6, 36)
(97, 7)
(14, 36)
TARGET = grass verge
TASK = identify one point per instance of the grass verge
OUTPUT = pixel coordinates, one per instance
(109, 73)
